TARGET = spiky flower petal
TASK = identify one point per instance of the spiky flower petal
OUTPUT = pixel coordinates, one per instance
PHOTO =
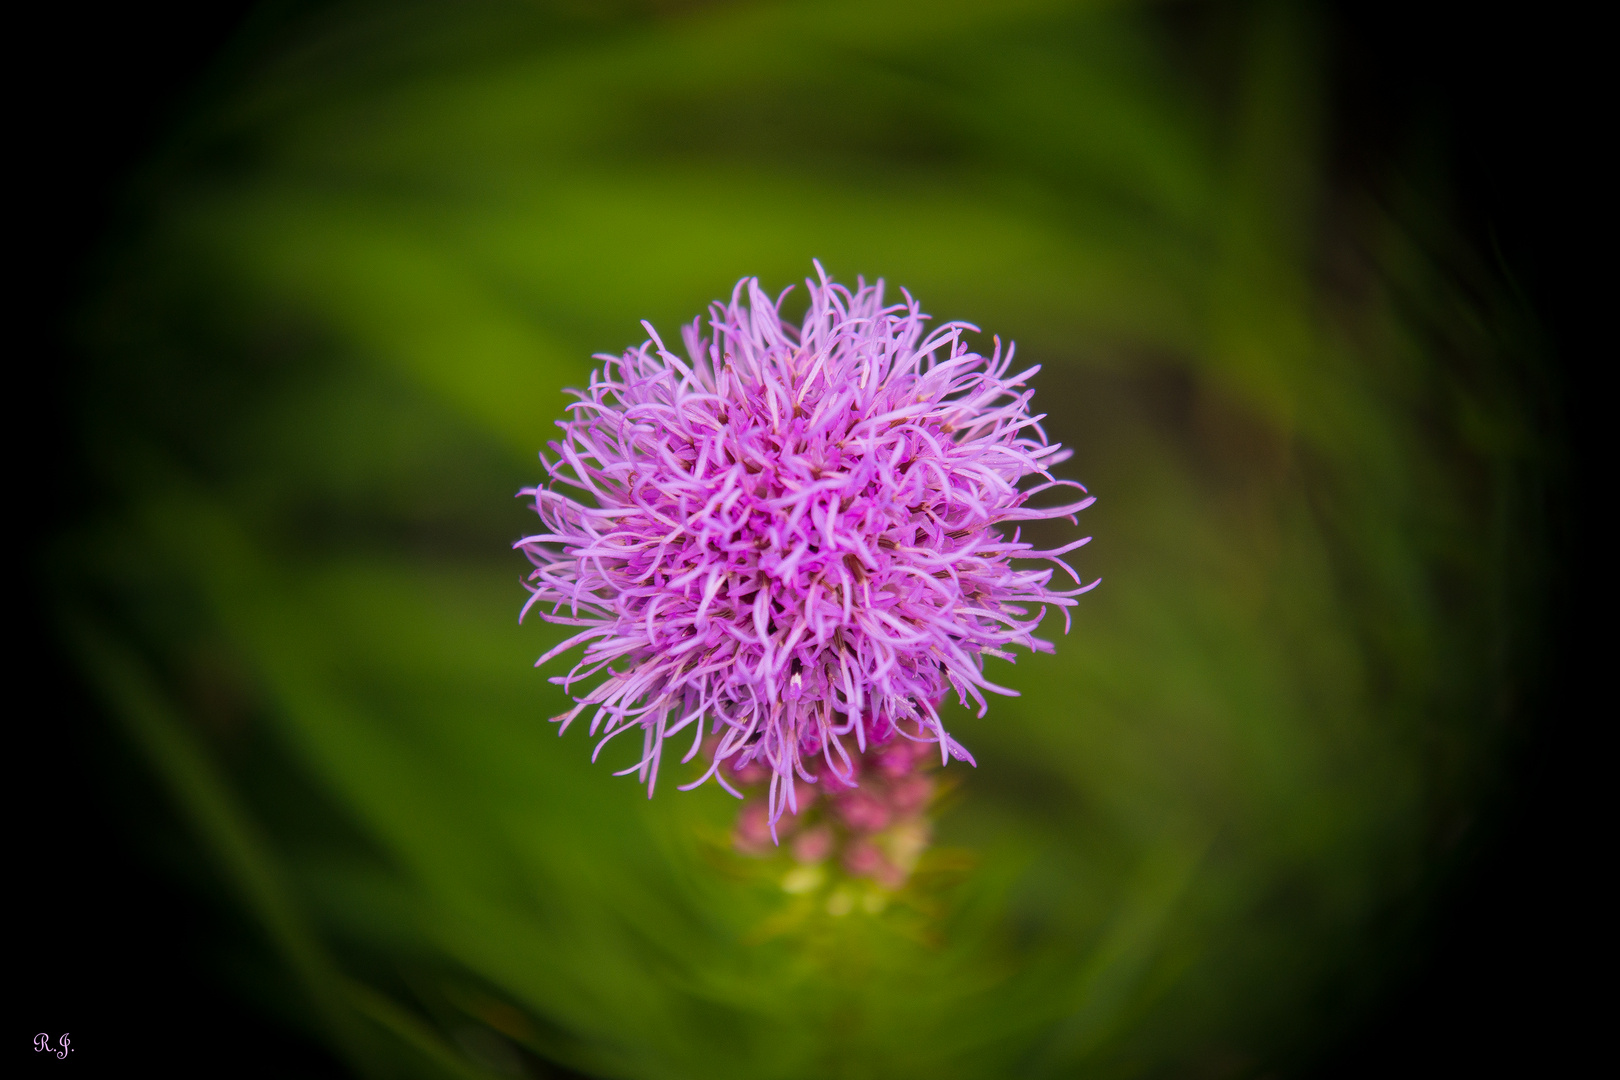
(793, 539)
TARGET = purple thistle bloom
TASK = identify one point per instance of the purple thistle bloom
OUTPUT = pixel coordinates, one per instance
(792, 540)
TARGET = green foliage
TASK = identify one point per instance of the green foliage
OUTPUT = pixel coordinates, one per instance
(367, 266)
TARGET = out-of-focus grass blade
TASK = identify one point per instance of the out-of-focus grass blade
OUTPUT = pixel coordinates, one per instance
(245, 858)
(211, 808)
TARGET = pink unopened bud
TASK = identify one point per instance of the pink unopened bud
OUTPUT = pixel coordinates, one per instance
(866, 859)
(910, 794)
(804, 794)
(752, 773)
(813, 845)
(864, 812)
(901, 757)
(753, 833)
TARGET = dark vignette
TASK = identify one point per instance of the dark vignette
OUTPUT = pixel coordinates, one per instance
(115, 949)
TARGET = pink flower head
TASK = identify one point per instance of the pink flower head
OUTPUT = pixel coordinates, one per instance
(791, 540)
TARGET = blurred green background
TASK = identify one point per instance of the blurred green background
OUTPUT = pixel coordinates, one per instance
(361, 273)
